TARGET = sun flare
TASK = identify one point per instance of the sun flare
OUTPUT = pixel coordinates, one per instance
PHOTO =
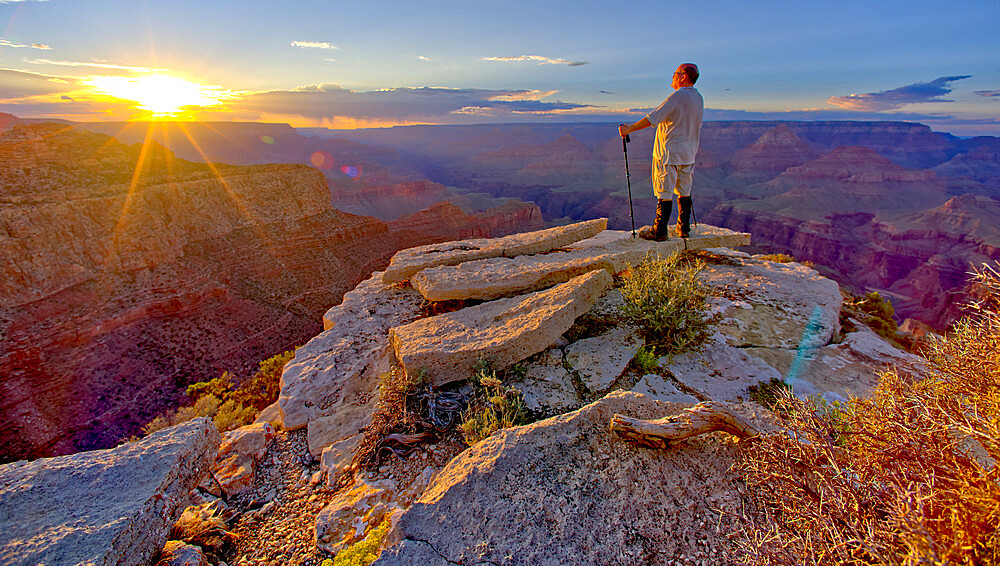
(163, 96)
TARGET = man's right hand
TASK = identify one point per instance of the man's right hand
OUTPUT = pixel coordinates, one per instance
(623, 130)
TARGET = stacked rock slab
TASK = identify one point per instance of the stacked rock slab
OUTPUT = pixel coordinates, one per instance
(612, 251)
(500, 332)
(334, 375)
(408, 262)
(105, 507)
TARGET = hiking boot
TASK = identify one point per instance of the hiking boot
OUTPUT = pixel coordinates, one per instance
(658, 231)
(684, 216)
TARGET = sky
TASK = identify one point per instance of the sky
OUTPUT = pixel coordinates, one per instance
(382, 63)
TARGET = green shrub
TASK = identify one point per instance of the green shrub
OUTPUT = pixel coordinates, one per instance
(777, 258)
(229, 408)
(874, 311)
(645, 360)
(365, 551)
(664, 298)
(494, 407)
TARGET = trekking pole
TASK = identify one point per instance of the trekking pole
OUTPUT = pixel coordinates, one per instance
(628, 181)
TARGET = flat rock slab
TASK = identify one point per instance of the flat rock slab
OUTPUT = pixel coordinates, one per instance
(105, 507)
(336, 372)
(408, 262)
(662, 389)
(567, 491)
(501, 332)
(773, 305)
(719, 371)
(611, 251)
(547, 386)
(600, 360)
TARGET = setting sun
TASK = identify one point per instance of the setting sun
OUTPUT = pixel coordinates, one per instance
(161, 95)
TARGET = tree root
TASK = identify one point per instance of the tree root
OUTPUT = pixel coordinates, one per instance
(702, 418)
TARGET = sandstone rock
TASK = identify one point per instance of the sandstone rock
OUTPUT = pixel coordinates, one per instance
(547, 387)
(719, 371)
(337, 456)
(662, 389)
(610, 250)
(240, 450)
(336, 371)
(600, 360)
(323, 432)
(774, 305)
(501, 332)
(177, 553)
(103, 507)
(567, 491)
(408, 262)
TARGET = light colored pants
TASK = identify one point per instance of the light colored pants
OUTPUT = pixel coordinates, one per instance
(672, 179)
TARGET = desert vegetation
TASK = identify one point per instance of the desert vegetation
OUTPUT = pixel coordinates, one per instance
(664, 298)
(494, 406)
(905, 476)
(228, 405)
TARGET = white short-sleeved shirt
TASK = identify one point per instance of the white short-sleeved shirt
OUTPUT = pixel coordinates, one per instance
(678, 127)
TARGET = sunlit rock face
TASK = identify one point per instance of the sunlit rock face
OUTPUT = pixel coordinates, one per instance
(124, 284)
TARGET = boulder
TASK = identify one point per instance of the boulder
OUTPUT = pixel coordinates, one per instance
(839, 371)
(408, 262)
(337, 371)
(612, 251)
(269, 414)
(336, 457)
(105, 507)
(547, 386)
(567, 491)
(600, 360)
(238, 455)
(501, 332)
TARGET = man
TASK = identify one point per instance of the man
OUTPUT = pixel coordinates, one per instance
(678, 131)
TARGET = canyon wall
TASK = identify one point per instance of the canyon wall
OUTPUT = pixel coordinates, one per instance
(130, 273)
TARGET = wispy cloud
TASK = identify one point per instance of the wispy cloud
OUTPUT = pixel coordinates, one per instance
(20, 1)
(541, 60)
(329, 103)
(17, 84)
(932, 91)
(6, 43)
(95, 65)
(422, 58)
(313, 45)
(987, 93)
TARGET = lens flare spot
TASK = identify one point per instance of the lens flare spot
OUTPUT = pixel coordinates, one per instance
(351, 171)
(267, 139)
(321, 160)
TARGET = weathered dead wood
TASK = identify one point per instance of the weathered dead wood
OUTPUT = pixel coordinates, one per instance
(702, 418)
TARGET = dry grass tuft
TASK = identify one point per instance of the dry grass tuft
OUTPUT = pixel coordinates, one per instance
(906, 476)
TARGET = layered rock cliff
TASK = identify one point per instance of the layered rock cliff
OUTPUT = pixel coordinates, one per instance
(131, 273)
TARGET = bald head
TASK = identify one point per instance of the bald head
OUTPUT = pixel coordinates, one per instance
(690, 71)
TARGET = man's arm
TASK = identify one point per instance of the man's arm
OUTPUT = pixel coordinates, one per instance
(640, 125)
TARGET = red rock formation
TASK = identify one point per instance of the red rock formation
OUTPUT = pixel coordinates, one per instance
(122, 285)
(773, 152)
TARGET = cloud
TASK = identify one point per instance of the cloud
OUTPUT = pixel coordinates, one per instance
(6, 43)
(15, 84)
(422, 58)
(898, 97)
(66, 97)
(987, 93)
(20, 1)
(96, 65)
(330, 103)
(313, 45)
(541, 60)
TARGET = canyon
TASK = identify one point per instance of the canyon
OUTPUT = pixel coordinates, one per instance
(130, 273)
